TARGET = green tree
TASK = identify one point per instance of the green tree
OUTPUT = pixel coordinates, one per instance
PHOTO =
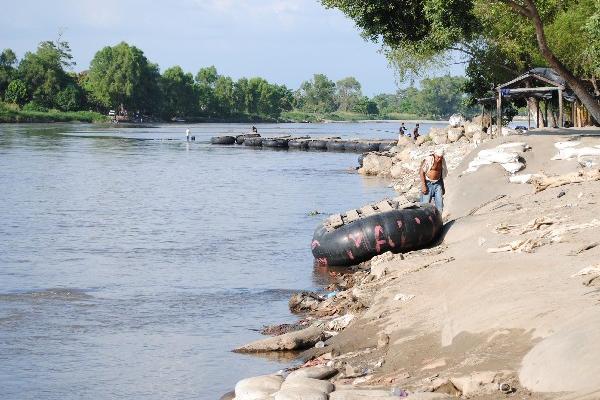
(71, 98)
(318, 94)
(122, 75)
(440, 97)
(16, 92)
(8, 61)
(179, 95)
(416, 34)
(206, 79)
(224, 95)
(43, 72)
(348, 92)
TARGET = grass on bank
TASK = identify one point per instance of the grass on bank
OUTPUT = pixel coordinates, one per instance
(12, 113)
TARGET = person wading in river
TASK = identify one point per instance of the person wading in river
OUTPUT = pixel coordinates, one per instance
(432, 172)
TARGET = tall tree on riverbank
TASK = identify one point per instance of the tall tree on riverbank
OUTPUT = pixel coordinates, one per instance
(8, 62)
(418, 33)
(179, 95)
(43, 72)
(317, 95)
(348, 92)
(123, 75)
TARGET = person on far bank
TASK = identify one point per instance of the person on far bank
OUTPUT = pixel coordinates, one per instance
(416, 132)
(432, 172)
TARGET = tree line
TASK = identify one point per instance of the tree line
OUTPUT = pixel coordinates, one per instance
(121, 77)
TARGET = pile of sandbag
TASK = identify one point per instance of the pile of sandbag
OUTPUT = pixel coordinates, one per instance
(507, 155)
(570, 150)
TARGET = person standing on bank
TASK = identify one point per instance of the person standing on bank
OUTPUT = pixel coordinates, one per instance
(432, 172)
(416, 132)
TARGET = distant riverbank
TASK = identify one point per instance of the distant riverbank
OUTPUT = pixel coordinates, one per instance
(13, 114)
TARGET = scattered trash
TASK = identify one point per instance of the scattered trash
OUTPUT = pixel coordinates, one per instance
(480, 241)
(320, 344)
(314, 212)
(331, 294)
(561, 194)
(524, 178)
(404, 297)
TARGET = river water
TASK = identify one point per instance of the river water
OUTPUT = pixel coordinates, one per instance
(132, 262)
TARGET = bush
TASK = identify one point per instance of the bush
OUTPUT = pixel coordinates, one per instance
(33, 106)
(16, 92)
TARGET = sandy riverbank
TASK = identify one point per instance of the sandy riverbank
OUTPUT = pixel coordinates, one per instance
(504, 298)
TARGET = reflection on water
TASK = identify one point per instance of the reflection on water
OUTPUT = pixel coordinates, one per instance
(130, 268)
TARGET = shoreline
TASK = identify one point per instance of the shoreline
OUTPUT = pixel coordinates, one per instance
(456, 330)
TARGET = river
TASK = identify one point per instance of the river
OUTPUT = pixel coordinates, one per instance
(132, 262)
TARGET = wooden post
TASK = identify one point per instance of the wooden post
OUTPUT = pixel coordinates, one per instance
(537, 113)
(482, 114)
(560, 109)
(528, 114)
(499, 113)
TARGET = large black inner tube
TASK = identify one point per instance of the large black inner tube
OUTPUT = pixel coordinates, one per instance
(279, 143)
(365, 147)
(350, 146)
(335, 145)
(254, 142)
(298, 144)
(317, 144)
(396, 231)
(239, 139)
(222, 140)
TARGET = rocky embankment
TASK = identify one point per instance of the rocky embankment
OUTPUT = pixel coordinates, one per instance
(401, 163)
(506, 305)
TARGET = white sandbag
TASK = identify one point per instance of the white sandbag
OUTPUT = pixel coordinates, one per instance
(522, 179)
(498, 156)
(572, 152)
(518, 147)
(564, 145)
(513, 167)
(510, 132)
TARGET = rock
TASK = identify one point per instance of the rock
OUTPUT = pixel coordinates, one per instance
(454, 134)
(422, 139)
(471, 129)
(484, 120)
(361, 394)
(304, 301)
(404, 140)
(295, 393)
(258, 387)
(228, 396)
(298, 340)
(477, 382)
(376, 164)
(308, 383)
(440, 138)
(456, 120)
(313, 372)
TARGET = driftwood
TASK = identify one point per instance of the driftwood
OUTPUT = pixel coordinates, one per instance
(545, 182)
(474, 210)
(298, 340)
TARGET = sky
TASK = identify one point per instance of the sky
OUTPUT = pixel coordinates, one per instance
(283, 41)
